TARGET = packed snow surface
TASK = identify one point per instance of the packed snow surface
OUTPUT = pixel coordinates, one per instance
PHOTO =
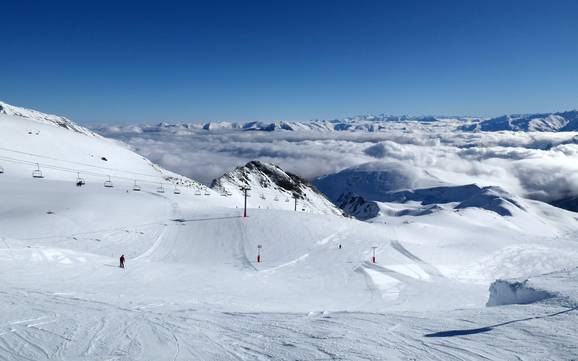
(193, 289)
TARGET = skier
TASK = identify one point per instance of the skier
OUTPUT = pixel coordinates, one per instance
(122, 261)
(340, 246)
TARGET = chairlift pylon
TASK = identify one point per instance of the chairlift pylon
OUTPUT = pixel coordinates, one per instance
(37, 173)
(136, 187)
(161, 189)
(108, 183)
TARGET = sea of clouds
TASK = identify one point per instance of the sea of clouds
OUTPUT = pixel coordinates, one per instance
(537, 165)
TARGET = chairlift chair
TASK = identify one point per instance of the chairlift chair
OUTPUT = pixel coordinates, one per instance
(37, 173)
(79, 181)
(207, 193)
(276, 199)
(176, 190)
(136, 187)
(108, 183)
(161, 189)
(287, 199)
(198, 193)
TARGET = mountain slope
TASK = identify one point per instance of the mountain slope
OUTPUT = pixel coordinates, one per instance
(272, 187)
(545, 122)
(193, 289)
(56, 120)
(372, 180)
(62, 150)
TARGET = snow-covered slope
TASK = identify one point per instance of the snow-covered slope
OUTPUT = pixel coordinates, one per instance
(56, 120)
(58, 149)
(193, 289)
(273, 188)
(372, 180)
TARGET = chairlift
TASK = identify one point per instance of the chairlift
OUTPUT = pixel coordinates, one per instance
(108, 183)
(79, 181)
(37, 173)
(136, 187)
(176, 190)
(161, 189)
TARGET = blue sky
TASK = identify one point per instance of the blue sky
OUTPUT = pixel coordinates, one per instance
(122, 61)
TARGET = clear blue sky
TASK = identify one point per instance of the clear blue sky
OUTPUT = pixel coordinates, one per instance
(121, 61)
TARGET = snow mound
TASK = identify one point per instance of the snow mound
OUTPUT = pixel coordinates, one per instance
(503, 292)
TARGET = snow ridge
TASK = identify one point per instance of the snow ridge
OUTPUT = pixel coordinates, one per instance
(56, 120)
(272, 187)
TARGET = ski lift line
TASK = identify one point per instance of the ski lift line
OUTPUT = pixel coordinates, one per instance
(65, 169)
(73, 162)
(91, 173)
(74, 171)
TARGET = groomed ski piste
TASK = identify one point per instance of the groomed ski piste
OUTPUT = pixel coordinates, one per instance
(193, 289)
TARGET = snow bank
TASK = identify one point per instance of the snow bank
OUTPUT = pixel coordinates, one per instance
(503, 292)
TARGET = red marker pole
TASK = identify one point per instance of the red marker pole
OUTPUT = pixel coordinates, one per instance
(373, 257)
(259, 253)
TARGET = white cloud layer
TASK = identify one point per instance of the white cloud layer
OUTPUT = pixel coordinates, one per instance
(543, 166)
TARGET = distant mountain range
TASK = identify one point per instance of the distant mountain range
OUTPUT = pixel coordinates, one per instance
(540, 122)
(545, 122)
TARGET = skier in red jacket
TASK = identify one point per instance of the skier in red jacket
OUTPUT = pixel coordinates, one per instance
(122, 261)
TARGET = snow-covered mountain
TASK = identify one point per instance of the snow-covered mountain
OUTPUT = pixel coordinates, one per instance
(58, 148)
(545, 122)
(194, 287)
(56, 120)
(374, 180)
(272, 187)
(365, 123)
(419, 202)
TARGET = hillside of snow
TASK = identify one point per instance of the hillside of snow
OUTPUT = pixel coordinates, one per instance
(270, 187)
(32, 143)
(193, 288)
